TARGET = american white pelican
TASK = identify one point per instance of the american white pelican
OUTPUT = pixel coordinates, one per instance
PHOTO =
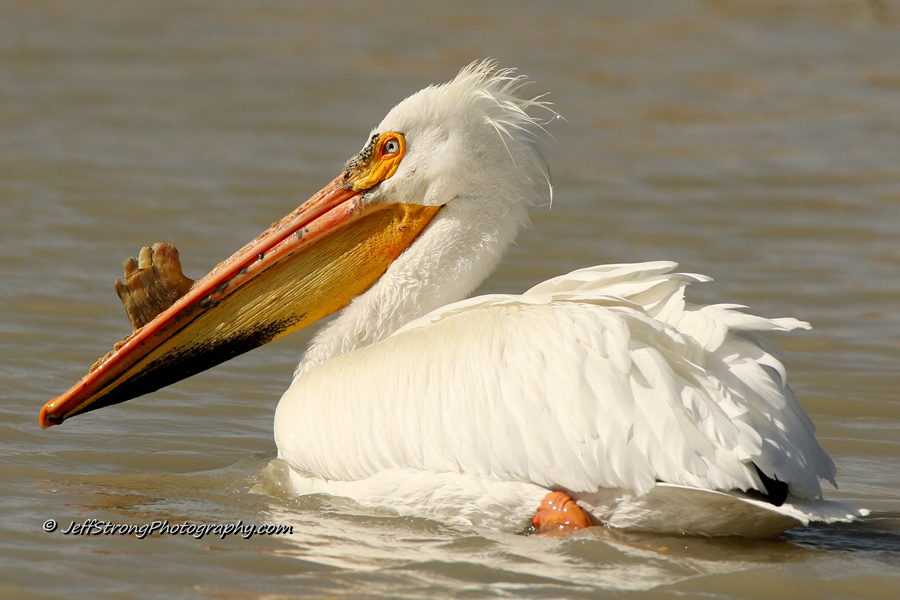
(602, 385)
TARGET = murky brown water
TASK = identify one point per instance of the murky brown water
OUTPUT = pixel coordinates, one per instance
(755, 142)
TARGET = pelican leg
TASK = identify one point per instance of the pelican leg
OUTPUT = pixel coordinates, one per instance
(558, 514)
(152, 283)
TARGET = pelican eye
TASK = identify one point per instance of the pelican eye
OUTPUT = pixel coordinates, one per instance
(377, 161)
(391, 146)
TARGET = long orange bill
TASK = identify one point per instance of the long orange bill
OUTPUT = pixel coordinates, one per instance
(305, 267)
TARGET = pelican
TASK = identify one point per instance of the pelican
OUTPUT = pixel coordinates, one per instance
(597, 397)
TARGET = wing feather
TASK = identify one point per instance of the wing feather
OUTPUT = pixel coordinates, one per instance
(602, 378)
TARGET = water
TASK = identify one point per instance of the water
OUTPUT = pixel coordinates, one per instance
(754, 142)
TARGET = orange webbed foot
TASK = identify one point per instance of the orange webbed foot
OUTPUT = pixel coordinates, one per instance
(152, 283)
(558, 515)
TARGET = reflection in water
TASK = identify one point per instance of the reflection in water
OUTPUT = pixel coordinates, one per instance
(338, 533)
(754, 142)
(373, 552)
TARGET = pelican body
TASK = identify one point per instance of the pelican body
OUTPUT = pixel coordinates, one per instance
(604, 384)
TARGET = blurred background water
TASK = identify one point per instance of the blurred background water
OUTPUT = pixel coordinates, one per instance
(755, 142)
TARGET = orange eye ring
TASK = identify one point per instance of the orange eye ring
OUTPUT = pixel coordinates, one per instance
(391, 144)
(378, 161)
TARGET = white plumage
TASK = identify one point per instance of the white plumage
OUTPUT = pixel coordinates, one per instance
(603, 382)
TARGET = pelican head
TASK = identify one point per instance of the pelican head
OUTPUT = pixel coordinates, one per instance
(416, 219)
(471, 139)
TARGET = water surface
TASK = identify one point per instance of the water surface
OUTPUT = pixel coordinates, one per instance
(754, 142)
